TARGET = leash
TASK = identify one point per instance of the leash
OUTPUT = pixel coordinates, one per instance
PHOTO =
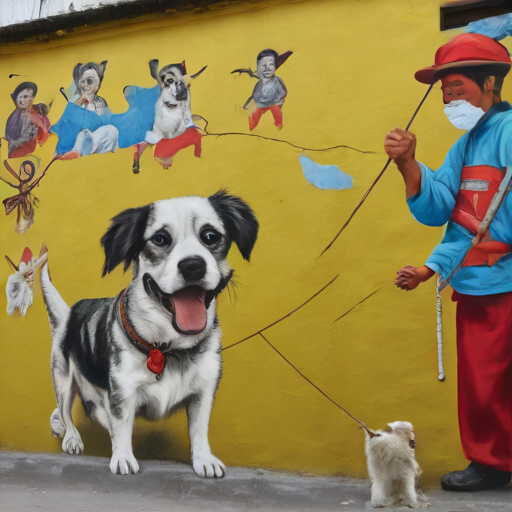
(371, 433)
(377, 179)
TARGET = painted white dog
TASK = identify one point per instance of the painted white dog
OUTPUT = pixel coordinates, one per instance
(173, 114)
(392, 467)
(156, 347)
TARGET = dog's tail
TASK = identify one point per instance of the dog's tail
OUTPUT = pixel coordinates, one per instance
(58, 310)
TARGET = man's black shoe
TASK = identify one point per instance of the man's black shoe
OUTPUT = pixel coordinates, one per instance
(476, 477)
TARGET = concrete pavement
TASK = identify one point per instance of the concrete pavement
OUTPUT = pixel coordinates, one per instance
(65, 483)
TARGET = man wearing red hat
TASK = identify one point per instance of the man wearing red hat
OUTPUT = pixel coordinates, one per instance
(471, 68)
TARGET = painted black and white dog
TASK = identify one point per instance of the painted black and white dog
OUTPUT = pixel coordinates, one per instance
(156, 347)
(173, 114)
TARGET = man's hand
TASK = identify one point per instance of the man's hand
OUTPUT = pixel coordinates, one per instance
(408, 278)
(400, 145)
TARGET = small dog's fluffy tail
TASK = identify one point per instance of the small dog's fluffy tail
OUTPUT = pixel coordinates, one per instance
(58, 310)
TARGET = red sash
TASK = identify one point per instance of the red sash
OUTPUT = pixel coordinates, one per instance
(478, 185)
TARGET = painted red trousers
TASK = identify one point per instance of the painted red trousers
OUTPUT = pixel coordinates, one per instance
(484, 367)
(256, 116)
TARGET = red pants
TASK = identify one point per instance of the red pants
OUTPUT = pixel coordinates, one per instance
(484, 367)
(256, 116)
(167, 148)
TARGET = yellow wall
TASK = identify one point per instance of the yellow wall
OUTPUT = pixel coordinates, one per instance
(350, 80)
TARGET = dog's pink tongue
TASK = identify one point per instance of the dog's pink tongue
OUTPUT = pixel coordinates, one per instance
(189, 308)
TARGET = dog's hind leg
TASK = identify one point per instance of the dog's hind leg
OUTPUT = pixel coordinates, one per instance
(203, 461)
(65, 392)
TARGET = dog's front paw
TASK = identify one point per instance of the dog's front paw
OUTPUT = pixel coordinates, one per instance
(124, 464)
(58, 428)
(72, 443)
(207, 465)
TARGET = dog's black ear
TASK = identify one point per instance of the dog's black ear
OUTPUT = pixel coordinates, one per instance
(124, 239)
(239, 220)
(153, 69)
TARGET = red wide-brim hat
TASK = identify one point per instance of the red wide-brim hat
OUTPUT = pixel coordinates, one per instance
(473, 51)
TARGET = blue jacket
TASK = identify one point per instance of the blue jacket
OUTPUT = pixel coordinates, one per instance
(487, 143)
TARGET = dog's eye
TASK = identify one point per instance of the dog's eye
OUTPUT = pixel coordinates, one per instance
(412, 444)
(161, 239)
(210, 237)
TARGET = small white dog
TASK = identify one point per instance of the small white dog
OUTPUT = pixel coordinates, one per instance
(155, 348)
(392, 467)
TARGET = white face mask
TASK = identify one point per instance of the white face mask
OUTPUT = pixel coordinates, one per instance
(462, 114)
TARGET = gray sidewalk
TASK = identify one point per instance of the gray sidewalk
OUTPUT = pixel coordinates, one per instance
(65, 483)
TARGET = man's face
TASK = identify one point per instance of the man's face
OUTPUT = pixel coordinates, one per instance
(266, 67)
(25, 98)
(460, 87)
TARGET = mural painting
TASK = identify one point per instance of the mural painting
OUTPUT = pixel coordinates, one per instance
(174, 289)
(468, 192)
(84, 127)
(270, 91)
(162, 115)
(24, 201)
(20, 285)
(155, 116)
(28, 125)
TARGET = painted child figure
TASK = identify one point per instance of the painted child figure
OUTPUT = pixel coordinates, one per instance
(270, 92)
(28, 125)
(84, 128)
(471, 68)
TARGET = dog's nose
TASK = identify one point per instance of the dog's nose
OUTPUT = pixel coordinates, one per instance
(192, 269)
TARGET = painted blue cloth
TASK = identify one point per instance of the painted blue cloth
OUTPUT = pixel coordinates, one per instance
(73, 120)
(497, 27)
(488, 143)
(140, 116)
(324, 176)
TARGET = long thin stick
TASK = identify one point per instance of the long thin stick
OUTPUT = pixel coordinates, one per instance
(205, 129)
(377, 179)
(44, 172)
(439, 309)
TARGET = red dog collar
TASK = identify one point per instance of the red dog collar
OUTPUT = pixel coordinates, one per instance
(156, 360)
